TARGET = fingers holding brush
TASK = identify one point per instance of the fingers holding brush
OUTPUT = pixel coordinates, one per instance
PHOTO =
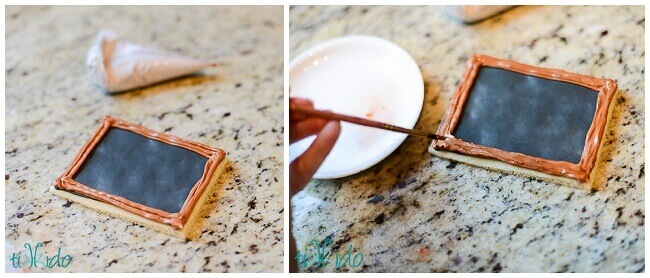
(301, 126)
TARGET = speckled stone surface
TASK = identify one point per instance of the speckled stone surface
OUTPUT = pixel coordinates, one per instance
(52, 109)
(416, 212)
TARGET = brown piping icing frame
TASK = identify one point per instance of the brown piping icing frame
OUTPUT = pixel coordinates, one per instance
(176, 220)
(606, 89)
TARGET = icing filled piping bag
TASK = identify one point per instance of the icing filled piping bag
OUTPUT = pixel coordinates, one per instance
(471, 14)
(119, 66)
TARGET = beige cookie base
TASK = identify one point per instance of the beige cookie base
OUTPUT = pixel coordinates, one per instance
(117, 212)
(497, 165)
(492, 164)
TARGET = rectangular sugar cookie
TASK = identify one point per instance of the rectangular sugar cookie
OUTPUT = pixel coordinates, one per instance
(156, 180)
(532, 121)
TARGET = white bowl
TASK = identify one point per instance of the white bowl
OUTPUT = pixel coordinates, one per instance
(361, 76)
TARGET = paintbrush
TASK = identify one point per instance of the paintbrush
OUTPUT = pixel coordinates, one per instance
(361, 121)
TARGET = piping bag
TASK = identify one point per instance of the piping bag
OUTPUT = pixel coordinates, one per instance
(472, 14)
(119, 66)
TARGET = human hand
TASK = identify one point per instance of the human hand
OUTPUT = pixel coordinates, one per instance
(301, 126)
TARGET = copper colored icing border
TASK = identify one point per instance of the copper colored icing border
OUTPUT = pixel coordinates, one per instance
(176, 220)
(606, 89)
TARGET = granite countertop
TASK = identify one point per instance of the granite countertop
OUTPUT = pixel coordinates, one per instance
(52, 109)
(416, 212)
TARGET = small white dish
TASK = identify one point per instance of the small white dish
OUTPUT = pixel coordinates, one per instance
(361, 76)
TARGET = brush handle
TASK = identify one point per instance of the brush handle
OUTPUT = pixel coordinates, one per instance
(361, 121)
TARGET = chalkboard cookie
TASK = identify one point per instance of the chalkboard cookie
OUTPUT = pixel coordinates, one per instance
(153, 179)
(527, 120)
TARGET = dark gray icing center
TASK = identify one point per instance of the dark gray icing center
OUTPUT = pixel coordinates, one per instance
(526, 114)
(142, 170)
